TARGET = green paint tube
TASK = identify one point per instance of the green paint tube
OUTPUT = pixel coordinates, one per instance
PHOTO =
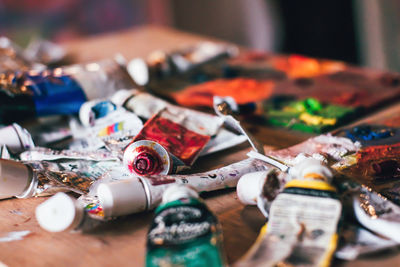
(184, 232)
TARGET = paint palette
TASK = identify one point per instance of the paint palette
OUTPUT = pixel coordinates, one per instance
(283, 83)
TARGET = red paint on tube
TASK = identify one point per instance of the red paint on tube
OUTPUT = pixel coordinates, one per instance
(181, 142)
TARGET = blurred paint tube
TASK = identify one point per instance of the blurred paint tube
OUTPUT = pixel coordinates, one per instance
(377, 213)
(41, 178)
(115, 129)
(162, 65)
(358, 242)
(303, 222)
(126, 195)
(184, 232)
(16, 138)
(62, 90)
(146, 106)
(168, 143)
(41, 153)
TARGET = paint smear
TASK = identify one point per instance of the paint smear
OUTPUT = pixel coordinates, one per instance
(14, 236)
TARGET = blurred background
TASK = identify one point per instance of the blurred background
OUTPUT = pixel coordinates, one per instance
(363, 32)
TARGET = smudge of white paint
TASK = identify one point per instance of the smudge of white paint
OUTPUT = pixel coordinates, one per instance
(14, 236)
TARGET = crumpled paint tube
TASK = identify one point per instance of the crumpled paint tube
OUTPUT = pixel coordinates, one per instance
(303, 222)
(359, 242)
(41, 153)
(41, 178)
(168, 143)
(377, 213)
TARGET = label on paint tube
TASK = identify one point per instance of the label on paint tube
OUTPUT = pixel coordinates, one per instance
(168, 143)
(184, 233)
(114, 131)
(302, 227)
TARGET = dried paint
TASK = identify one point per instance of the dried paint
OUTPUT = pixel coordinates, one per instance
(241, 89)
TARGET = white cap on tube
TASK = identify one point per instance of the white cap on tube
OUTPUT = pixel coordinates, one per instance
(15, 179)
(59, 213)
(122, 197)
(139, 71)
(249, 187)
(15, 138)
(120, 97)
(178, 191)
(308, 166)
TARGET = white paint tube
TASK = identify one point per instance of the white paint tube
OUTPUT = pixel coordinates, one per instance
(145, 193)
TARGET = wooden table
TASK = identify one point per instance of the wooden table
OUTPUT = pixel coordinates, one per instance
(122, 242)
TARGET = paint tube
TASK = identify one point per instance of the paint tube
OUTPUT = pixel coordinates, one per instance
(16, 138)
(64, 213)
(146, 106)
(63, 90)
(332, 148)
(41, 178)
(168, 143)
(41, 153)
(376, 213)
(162, 65)
(113, 129)
(184, 232)
(144, 193)
(359, 242)
(303, 222)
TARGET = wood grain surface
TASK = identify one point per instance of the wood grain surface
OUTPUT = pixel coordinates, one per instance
(122, 242)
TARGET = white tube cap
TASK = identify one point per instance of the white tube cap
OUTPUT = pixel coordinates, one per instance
(139, 71)
(59, 213)
(249, 187)
(308, 166)
(15, 178)
(16, 138)
(120, 97)
(122, 197)
(178, 191)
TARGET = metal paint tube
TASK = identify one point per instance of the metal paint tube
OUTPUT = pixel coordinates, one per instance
(144, 193)
(42, 178)
(184, 232)
(62, 90)
(303, 222)
(167, 139)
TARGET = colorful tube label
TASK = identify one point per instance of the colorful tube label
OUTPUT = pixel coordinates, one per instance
(184, 233)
